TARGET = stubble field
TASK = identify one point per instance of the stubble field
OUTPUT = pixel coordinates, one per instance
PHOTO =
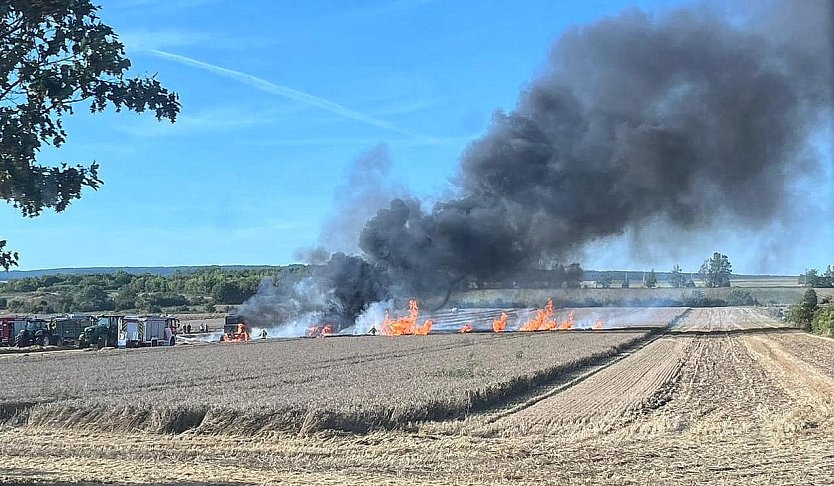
(725, 397)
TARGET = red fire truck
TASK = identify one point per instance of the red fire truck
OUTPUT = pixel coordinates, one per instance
(9, 327)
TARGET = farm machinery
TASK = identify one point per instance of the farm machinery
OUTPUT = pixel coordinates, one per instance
(104, 333)
(67, 329)
(115, 330)
(235, 329)
(35, 332)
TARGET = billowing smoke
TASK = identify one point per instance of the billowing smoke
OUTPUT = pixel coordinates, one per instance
(684, 117)
(681, 118)
(334, 293)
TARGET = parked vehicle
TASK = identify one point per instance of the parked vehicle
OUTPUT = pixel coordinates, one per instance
(66, 330)
(147, 331)
(104, 333)
(36, 332)
(9, 327)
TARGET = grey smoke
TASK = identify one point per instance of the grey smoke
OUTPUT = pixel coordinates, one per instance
(682, 117)
(334, 293)
(668, 121)
(365, 190)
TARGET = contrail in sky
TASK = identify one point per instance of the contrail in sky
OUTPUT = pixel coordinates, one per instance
(289, 93)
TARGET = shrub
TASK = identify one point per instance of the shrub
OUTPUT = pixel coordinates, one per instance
(823, 321)
(802, 312)
(741, 297)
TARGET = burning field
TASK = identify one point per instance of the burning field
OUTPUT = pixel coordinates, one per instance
(728, 404)
(643, 132)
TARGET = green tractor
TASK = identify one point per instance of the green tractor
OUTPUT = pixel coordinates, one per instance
(104, 333)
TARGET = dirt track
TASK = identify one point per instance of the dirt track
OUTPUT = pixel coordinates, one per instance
(729, 406)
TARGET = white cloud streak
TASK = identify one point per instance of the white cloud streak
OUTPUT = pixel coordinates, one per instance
(289, 93)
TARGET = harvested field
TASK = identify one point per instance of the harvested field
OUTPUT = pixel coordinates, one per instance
(604, 401)
(726, 319)
(730, 405)
(341, 383)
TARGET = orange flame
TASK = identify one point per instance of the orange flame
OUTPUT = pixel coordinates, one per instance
(569, 322)
(406, 325)
(542, 321)
(500, 324)
(599, 324)
(239, 335)
(466, 328)
(425, 329)
(320, 330)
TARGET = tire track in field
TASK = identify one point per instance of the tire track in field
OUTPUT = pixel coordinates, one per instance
(812, 391)
(605, 401)
(724, 394)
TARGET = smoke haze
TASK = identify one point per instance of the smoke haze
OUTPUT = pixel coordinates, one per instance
(673, 122)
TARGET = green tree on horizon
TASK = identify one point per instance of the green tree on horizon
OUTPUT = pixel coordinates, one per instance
(716, 271)
(57, 54)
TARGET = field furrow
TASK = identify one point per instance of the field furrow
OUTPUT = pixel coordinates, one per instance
(605, 400)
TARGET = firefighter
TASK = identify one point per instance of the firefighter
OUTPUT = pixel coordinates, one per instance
(263, 333)
(372, 332)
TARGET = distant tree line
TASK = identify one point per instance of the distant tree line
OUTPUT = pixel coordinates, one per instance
(146, 292)
(812, 278)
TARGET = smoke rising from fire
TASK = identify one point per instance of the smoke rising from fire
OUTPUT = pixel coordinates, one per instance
(682, 117)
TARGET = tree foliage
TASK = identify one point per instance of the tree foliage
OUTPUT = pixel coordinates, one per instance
(716, 271)
(676, 277)
(651, 280)
(57, 54)
(812, 278)
(802, 312)
(823, 322)
(147, 292)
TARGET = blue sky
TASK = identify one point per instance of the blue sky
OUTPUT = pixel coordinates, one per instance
(279, 98)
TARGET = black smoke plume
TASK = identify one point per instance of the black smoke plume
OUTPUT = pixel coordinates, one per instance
(681, 117)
